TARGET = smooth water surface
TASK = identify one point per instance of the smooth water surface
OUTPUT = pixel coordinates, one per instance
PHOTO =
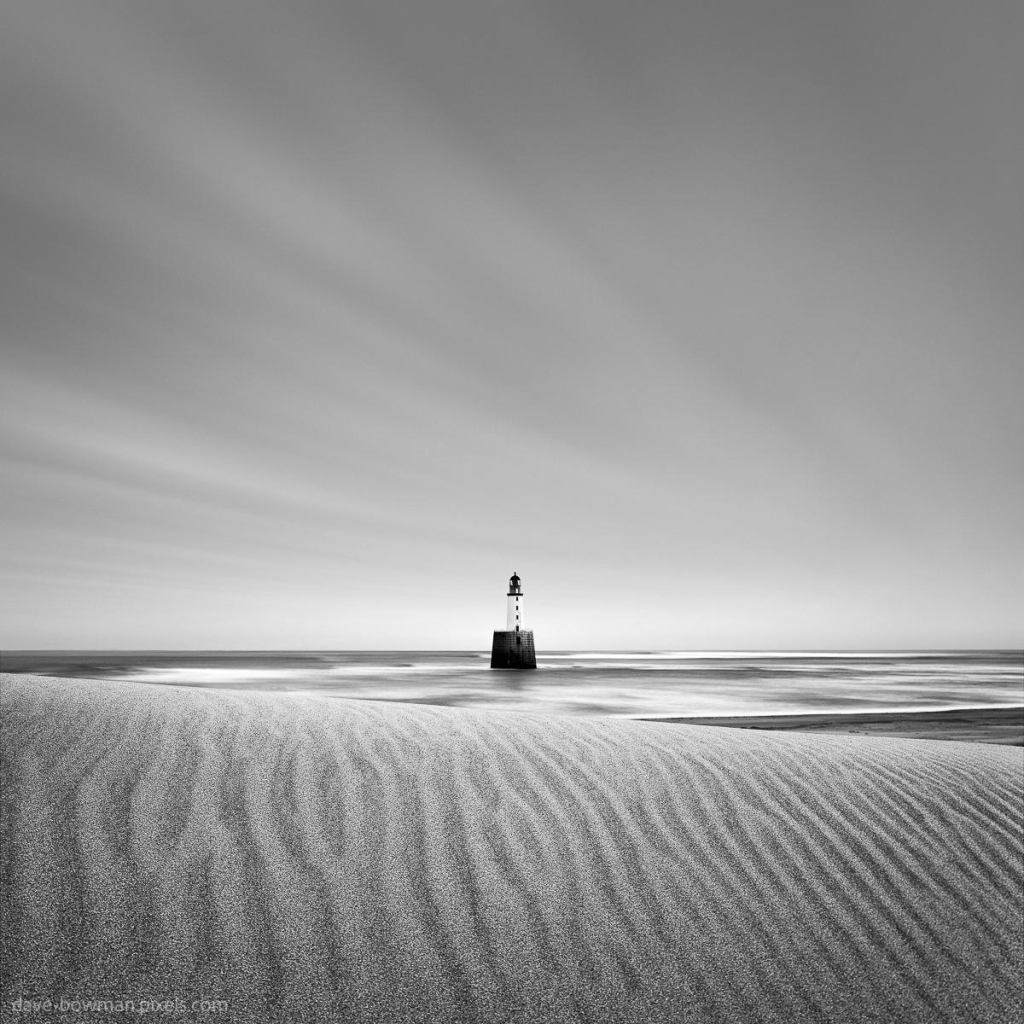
(581, 682)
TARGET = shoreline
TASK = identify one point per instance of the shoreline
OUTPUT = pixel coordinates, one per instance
(1002, 725)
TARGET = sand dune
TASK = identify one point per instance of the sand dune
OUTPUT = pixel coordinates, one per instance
(307, 859)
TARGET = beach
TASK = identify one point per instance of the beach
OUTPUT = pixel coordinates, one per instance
(295, 857)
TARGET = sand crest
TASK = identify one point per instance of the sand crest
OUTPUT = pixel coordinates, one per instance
(313, 859)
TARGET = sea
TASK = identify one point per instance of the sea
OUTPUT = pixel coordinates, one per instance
(636, 684)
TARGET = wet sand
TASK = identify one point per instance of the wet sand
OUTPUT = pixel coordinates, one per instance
(971, 725)
(331, 860)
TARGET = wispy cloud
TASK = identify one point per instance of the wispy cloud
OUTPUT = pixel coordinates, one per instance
(319, 319)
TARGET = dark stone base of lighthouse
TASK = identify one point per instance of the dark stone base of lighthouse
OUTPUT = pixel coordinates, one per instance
(513, 649)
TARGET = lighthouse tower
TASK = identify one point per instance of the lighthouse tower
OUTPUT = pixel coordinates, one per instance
(513, 620)
(513, 647)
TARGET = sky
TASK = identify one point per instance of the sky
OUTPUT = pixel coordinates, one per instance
(318, 320)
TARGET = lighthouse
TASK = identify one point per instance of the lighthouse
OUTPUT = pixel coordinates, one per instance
(513, 618)
(513, 647)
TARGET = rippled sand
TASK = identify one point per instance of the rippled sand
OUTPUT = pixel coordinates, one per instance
(307, 859)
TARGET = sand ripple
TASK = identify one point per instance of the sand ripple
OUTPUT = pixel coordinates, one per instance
(308, 859)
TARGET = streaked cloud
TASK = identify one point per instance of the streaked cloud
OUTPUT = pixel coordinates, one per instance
(319, 319)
